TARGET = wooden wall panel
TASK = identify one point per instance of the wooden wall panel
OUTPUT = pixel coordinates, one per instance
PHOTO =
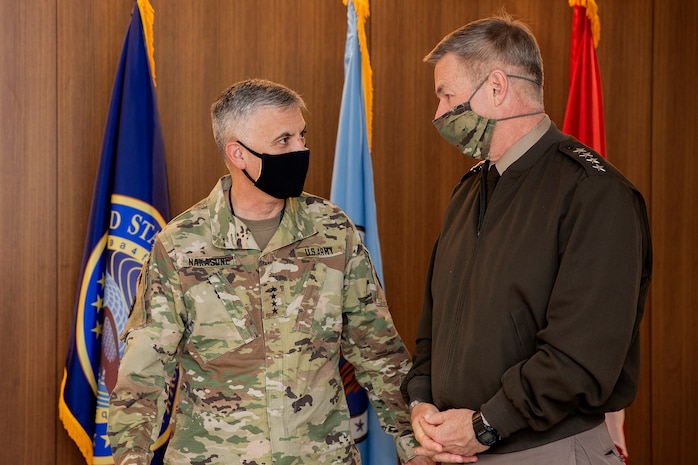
(90, 36)
(673, 316)
(57, 64)
(628, 116)
(28, 212)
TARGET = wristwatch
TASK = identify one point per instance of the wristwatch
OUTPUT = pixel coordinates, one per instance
(413, 404)
(485, 434)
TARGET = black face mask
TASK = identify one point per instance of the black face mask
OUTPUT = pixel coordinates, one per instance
(282, 175)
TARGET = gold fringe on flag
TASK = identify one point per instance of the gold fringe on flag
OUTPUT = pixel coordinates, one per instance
(147, 18)
(593, 15)
(362, 12)
(73, 428)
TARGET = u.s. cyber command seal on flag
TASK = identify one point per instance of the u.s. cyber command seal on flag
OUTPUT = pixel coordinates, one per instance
(106, 295)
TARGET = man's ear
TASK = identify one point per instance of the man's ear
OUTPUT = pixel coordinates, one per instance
(499, 85)
(233, 155)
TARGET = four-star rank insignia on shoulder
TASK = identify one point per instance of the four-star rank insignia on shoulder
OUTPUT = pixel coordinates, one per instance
(584, 154)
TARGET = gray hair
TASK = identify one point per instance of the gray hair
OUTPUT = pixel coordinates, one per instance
(499, 41)
(235, 107)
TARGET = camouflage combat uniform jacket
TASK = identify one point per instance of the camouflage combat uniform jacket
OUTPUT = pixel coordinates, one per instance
(258, 337)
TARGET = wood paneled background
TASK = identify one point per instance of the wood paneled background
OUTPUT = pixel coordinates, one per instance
(57, 64)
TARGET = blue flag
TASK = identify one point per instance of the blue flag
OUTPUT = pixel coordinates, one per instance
(352, 191)
(129, 206)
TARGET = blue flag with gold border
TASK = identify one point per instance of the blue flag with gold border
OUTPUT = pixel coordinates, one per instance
(352, 190)
(129, 206)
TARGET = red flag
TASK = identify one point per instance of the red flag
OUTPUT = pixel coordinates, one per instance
(584, 116)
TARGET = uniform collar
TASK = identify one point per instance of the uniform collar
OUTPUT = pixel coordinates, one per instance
(229, 232)
(522, 145)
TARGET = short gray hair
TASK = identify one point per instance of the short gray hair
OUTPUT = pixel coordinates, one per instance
(496, 41)
(237, 105)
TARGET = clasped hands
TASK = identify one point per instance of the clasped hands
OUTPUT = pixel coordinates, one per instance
(446, 437)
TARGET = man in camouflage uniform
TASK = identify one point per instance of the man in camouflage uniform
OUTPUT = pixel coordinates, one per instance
(254, 291)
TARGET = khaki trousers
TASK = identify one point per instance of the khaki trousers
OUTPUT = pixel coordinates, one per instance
(593, 447)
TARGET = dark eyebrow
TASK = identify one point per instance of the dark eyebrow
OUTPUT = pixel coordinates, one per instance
(288, 134)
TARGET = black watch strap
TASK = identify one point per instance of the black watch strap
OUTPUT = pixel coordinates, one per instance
(485, 434)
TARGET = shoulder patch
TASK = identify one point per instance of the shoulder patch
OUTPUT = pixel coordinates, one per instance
(583, 154)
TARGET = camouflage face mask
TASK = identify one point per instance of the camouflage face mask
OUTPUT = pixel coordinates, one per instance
(469, 132)
(466, 130)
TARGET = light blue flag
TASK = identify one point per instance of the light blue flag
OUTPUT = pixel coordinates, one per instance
(352, 177)
(352, 191)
